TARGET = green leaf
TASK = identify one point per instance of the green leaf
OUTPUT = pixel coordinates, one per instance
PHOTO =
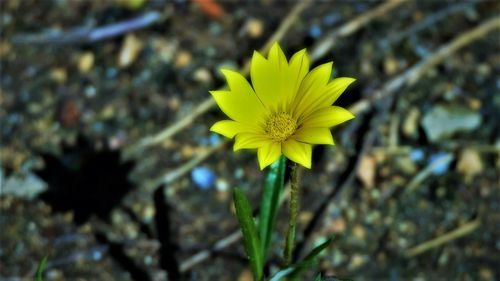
(251, 239)
(318, 277)
(289, 271)
(296, 270)
(273, 190)
(40, 269)
(282, 274)
(310, 260)
(316, 251)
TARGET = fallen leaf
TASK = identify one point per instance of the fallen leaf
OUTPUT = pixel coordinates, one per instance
(210, 8)
(366, 171)
(469, 163)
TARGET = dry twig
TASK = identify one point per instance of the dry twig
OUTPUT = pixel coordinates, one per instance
(323, 46)
(445, 238)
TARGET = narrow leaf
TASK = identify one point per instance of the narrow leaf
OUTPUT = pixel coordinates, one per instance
(282, 274)
(287, 271)
(40, 269)
(310, 260)
(273, 190)
(251, 239)
(318, 277)
(316, 251)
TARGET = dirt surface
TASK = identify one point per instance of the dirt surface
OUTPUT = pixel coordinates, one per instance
(419, 164)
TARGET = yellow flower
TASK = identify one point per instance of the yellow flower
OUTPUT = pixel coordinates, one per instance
(287, 109)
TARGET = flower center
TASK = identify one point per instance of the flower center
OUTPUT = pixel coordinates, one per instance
(280, 126)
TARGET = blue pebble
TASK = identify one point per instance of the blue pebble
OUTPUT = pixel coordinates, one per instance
(97, 255)
(331, 19)
(315, 31)
(440, 169)
(214, 139)
(203, 177)
(417, 155)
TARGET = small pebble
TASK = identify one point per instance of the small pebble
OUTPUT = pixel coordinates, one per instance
(359, 232)
(130, 50)
(221, 185)
(148, 260)
(357, 261)
(203, 177)
(59, 75)
(367, 171)
(215, 28)
(165, 49)
(111, 72)
(90, 91)
(338, 257)
(315, 31)
(214, 139)
(391, 65)
(469, 163)
(202, 75)
(85, 62)
(5, 48)
(441, 169)
(183, 59)
(254, 28)
(96, 255)
(330, 20)
(410, 124)
(173, 103)
(245, 275)
(417, 155)
(239, 173)
(337, 225)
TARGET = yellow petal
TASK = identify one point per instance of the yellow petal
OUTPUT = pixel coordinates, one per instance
(269, 77)
(314, 136)
(250, 141)
(298, 152)
(298, 69)
(327, 117)
(229, 128)
(240, 103)
(269, 153)
(275, 80)
(276, 55)
(325, 96)
(335, 89)
(313, 85)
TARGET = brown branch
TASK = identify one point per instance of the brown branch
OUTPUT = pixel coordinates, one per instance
(412, 75)
(328, 41)
(205, 254)
(445, 238)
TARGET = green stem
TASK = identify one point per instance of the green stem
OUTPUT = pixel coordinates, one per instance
(294, 212)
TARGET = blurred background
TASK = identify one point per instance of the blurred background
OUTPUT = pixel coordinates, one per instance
(109, 169)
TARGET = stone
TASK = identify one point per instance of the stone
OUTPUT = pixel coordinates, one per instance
(469, 163)
(367, 170)
(129, 51)
(85, 62)
(443, 121)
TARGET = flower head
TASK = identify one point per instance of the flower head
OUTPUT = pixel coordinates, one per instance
(286, 110)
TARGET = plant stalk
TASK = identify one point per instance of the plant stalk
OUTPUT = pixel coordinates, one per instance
(294, 212)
